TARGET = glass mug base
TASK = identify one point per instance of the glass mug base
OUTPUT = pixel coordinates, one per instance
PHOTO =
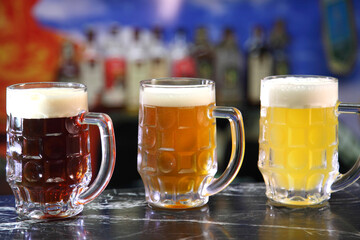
(296, 197)
(32, 205)
(47, 211)
(175, 201)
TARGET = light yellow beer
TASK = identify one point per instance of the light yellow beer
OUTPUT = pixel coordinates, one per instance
(298, 155)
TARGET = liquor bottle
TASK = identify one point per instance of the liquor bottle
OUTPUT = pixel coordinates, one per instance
(68, 68)
(279, 39)
(115, 67)
(137, 69)
(260, 64)
(229, 70)
(158, 55)
(182, 63)
(203, 53)
(92, 70)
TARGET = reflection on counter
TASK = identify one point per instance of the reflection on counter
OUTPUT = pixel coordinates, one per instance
(239, 212)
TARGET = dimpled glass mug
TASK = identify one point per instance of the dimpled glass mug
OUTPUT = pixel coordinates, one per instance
(177, 145)
(48, 152)
(298, 152)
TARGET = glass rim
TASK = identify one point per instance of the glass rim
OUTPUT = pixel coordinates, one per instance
(175, 82)
(334, 79)
(32, 85)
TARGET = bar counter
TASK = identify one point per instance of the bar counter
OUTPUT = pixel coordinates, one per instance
(239, 212)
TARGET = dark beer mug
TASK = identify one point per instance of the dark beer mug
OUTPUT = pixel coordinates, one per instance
(48, 149)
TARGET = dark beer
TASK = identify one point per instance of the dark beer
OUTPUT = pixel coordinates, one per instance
(48, 159)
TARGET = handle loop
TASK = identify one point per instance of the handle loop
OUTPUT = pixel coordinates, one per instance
(107, 166)
(237, 151)
(351, 176)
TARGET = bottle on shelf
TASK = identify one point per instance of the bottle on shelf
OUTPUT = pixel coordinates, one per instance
(92, 69)
(230, 66)
(137, 69)
(115, 68)
(68, 67)
(260, 64)
(278, 41)
(182, 63)
(158, 55)
(203, 53)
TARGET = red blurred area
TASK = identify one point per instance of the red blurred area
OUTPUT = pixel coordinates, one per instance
(29, 52)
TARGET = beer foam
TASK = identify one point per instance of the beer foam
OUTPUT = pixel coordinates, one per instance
(177, 97)
(299, 92)
(36, 103)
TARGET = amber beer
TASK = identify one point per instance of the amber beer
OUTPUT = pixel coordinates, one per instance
(176, 144)
(47, 151)
(298, 138)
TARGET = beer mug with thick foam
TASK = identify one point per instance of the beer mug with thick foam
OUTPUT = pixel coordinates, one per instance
(298, 152)
(48, 156)
(177, 142)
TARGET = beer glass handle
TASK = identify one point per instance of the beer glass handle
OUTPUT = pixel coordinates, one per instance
(237, 151)
(344, 180)
(107, 166)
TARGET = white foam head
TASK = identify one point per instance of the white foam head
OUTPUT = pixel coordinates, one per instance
(299, 92)
(179, 96)
(36, 103)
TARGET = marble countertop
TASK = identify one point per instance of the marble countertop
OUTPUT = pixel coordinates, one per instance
(240, 212)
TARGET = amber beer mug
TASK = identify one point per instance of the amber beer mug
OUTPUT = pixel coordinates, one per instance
(298, 152)
(48, 156)
(177, 142)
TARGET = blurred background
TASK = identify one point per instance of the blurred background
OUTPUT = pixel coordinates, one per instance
(111, 45)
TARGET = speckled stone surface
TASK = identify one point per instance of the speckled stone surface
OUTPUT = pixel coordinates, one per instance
(240, 212)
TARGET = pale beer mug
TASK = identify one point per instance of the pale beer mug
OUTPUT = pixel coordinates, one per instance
(298, 151)
(48, 149)
(177, 142)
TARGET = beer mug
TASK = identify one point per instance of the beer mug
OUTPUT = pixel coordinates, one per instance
(48, 149)
(177, 142)
(298, 139)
